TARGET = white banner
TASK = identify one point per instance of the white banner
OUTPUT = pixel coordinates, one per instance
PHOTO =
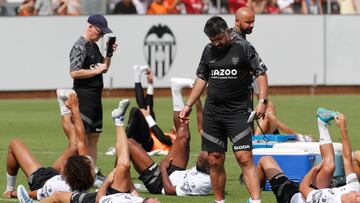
(297, 50)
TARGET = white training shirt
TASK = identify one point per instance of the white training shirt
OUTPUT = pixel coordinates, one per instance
(333, 195)
(190, 182)
(121, 198)
(54, 184)
(297, 198)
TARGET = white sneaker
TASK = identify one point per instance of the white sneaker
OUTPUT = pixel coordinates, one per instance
(121, 109)
(62, 96)
(181, 83)
(22, 195)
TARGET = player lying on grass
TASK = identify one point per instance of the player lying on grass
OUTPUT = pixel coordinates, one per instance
(151, 137)
(349, 193)
(118, 186)
(70, 172)
(287, 191)
(171, 177)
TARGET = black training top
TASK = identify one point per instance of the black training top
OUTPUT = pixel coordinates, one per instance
(85, 55)
(229, 74)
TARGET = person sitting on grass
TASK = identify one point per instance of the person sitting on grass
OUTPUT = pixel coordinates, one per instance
(171, 177)
(72, 171)
(117, 187)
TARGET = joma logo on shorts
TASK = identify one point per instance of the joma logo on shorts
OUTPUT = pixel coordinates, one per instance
(224, 72)
(241, 147)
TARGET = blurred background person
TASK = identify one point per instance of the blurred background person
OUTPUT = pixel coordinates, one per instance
(44, 7)
(347, 6)
(311, 7)
(26, 8)
(157, 7)
(124, 7)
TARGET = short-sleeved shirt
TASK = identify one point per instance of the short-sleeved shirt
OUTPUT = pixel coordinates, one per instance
(190, 182)
(86, 55)
(54, 184)
(121, 198)
(229, 73)
(333, 195)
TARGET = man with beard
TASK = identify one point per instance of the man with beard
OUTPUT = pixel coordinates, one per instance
(227, 66)
(244, 21)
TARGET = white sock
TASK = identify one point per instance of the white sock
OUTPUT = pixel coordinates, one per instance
(324, 133)
(178, 103)
(119, 121)
(220, 201)
(151, 122)
(137, 74)
(10, 180)
(150, 89)
(255, 201)
(177, 84)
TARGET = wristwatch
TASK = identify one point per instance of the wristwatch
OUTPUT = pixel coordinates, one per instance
(264, 101)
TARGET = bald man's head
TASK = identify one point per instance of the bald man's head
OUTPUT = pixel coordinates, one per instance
(244, 20)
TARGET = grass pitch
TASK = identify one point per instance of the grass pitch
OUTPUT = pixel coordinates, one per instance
(37, 123)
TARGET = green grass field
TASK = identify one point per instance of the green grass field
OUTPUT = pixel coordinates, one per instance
(37, 123)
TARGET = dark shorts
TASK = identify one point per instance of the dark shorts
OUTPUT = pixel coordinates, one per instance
(151, 177)
(111, 191)
(91, 109)
(283, 188)
(78, 197)
(38, 178)
(217, 128)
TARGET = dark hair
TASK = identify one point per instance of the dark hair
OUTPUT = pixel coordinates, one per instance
(79, 173)
(214, 26)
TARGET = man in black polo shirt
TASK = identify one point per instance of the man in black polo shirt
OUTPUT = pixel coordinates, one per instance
(86, 68)
(227, 66)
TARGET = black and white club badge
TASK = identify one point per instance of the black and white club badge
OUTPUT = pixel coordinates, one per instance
(160, 49)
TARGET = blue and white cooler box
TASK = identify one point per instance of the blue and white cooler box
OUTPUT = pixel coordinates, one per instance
(313, 147)
(269, 140)
(295, 163)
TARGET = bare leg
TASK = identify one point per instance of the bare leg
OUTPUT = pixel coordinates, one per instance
(19, 156)
(325, 174)
(267, 168)
(179, 152)
(122, 180)
(92, 140)
(275, 123)
(251, 178)
(140, 159)
(68, 128)
(263, 126)
(217, 174)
